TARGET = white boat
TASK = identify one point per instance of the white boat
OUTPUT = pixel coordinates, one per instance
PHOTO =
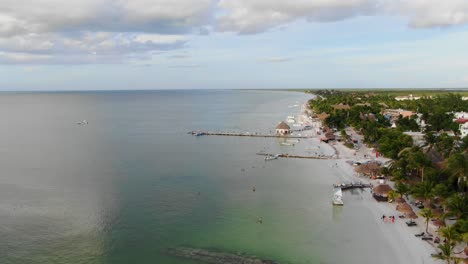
(337, 196)
(84, 122)
(291, 120)
(270, 157)
(286, 144)
(292, 140)
(297, 125)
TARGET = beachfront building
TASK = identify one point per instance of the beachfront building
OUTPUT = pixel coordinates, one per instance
(458, 115)
(283, 129)
(463, 122)
(341, 106)
(407, 97)
(418, 138)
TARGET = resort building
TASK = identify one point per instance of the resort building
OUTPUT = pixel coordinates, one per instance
(341, 106)
(283, 129)
(395, 113)
(463, 122)
(459, 115)
(407, 97)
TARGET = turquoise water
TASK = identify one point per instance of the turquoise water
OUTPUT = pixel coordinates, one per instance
(133, 182)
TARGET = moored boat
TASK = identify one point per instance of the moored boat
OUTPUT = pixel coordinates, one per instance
(271, 157)
(337, 196)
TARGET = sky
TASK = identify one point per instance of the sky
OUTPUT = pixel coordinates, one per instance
(229, 44)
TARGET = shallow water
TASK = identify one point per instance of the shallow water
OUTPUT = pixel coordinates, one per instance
(133, 182)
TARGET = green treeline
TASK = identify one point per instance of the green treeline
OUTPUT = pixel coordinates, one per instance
(435, 171)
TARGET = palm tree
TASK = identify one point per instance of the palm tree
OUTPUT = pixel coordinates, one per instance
(445, 252)
(457, 166)
(450, 234)
(402, 189)
(427, 214)
(458, 205)
(424, 190)
(430, 139)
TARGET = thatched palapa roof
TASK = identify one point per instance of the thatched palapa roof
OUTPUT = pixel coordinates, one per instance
(400, 200)
(382, 189)
(341, 106)
(367, 168)
(282, 125)
(404, 208)
(411, 215)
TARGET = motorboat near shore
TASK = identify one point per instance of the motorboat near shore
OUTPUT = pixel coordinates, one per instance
(271, 157)
(337, 196)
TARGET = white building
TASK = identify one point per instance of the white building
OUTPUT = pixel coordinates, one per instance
(407, 97)
(283, 129)
(463, 122)
(459, 115)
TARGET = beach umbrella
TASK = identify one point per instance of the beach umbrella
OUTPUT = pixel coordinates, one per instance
(411, 215)
(382, 189)
(404, 208)
(438, 222)
(437, 211)
(370, 167)
(400, 200)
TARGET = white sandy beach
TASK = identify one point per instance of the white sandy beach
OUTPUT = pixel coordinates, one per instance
(401, 237)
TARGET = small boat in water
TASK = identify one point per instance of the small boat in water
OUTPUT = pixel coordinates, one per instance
(84, 122)
(337, 196)
(272, 157)
(286, 144)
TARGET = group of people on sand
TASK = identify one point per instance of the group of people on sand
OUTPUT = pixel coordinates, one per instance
(390, 219)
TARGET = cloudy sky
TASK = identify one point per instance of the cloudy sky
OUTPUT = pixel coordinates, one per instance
(196, 44)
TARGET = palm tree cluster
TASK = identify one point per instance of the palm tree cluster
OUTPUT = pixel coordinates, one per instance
(435, 173)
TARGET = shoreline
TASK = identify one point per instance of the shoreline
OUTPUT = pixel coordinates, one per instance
(401, 237)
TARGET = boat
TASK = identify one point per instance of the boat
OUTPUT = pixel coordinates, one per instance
(292, 140)
(286, 144)
(199, 134)
(297, 125)
(272, 157)
(84, 122)
(337, 196)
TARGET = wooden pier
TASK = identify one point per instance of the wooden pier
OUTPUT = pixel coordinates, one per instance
(295, 156)
(246, 134)
(355, 185)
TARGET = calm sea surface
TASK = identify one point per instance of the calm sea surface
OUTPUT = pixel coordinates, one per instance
(133, 182)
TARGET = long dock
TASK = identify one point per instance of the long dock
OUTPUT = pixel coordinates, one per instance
(355, 185)
(294, 156)
(246, 134)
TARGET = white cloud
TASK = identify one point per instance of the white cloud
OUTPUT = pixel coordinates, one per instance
(252, 16)
(276, 59)
(81, 27)
(430, 13)
(111, 30)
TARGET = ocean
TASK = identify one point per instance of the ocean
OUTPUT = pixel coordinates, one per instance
(132, 182)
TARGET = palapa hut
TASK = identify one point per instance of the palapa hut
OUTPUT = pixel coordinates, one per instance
(400, 200)
(369, 169)
(411, 215)
(380, 192)
(438, 222)
(404, 208)
(283, 129)
(437, 211)
(329, 135)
